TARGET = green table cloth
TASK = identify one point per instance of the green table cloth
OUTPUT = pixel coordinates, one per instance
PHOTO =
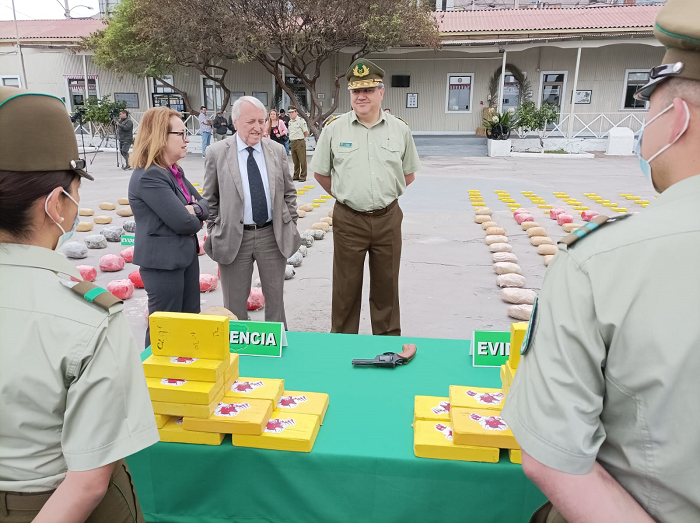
(362, 467)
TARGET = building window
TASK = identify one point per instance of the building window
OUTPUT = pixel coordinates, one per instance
(633, 80)
(213, 94)
(10, 81)
(76, 88)
(511, 92)
(459, 93)
(160, 88)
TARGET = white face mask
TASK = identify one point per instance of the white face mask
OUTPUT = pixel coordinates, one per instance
(66, 234)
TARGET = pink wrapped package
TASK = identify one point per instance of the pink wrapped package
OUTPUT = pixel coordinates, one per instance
(523, 217)
(122, 289)
(564, 218)
(201, 248)
(127, 254)
(256, 300)
(87, 272)
(587, 216)
(207, 282)
(555, 212)
(111, 263)
(135, 278)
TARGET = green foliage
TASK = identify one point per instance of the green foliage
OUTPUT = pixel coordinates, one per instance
(498, 126)
(530, 118)
(524, 90)
(100, 111)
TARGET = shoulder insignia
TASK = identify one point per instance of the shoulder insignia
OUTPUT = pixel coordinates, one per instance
(97, 295)
(595, 224)
(332, 118)
(404, 121)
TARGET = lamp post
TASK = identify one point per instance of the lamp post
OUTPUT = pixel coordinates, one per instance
(19, 48)
(67, 9)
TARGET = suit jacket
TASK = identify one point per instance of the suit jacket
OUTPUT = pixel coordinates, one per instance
(166, 233)
(223, 188)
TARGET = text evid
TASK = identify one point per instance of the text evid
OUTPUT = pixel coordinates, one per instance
(484, 348)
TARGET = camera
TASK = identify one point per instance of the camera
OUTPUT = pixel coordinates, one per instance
(78, 114)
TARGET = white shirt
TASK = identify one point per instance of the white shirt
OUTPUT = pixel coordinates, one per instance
(204, 127)
(243, 166)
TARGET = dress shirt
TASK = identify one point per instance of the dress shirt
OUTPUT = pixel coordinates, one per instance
(243, 166)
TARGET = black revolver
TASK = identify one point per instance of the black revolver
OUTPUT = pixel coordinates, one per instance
(390, 359)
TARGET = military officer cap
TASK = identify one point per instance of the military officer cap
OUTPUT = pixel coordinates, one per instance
(678, 28)
(56, 149)
(363, 74)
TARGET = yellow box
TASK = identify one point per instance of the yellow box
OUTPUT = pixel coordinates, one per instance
(316, 204)
(183, 391)
(309, 186)
(609, 205)
(516, 456)
(189, 335)
(507, 200)
(517, 335)
(161, 420)
(477, 204)
(481, 428)
(476, 398)
(284, 431)
(318, 200)
(544, 207)
(510, 373)
(180, 367)
(326, 196)
(505, 384)
(433, 439)
(185, 409)
(174, 432)
(244, 417)
(619, 209)
(431, 408)
(314, 403)
(256, 388)
(625, 194)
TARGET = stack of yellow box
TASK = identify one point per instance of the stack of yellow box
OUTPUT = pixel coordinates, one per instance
(198, 396)
(467, 426)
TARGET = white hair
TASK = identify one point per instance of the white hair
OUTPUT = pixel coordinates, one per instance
(236, 109)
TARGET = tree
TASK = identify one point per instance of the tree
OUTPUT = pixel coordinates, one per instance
(300, 36)
(530, 118)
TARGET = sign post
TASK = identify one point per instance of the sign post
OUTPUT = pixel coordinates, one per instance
(257, 338)
(490, 348)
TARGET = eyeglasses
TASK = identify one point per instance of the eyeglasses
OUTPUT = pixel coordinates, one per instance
(182, 134)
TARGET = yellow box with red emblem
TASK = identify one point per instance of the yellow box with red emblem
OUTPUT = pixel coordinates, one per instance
(234, 417)
(180, 410)
(181, 367)
(434, 439)
(476, 398)
(174, 432)
(314, 403)
(482, 428)
(284, 431)
(256, 388)
(189, 335)
(431, 408)
(184, 391)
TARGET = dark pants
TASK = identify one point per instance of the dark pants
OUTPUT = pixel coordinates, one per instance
(124, 146)
(547, 513)
(120, 504)
(354, 235)
(172, 291)
(298, 148)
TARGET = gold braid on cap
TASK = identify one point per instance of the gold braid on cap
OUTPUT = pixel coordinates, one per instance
(359, 84)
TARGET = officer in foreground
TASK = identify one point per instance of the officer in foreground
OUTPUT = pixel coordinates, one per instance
(366, 158)
(74, 397)
(604, 403)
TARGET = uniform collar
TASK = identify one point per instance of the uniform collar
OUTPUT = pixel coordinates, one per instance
(354, 118)
(242, 145)
(680, 190)
(37, 257)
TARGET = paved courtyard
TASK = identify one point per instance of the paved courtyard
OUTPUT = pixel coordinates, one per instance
(448, 285)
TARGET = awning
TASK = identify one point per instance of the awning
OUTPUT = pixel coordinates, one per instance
(80, 76)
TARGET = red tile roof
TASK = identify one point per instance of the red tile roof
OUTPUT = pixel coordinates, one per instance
(72, 29)
(519, 20)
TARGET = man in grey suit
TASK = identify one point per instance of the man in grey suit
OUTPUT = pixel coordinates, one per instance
(252, 211)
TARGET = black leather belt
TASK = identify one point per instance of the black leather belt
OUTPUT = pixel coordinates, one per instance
(255, 226)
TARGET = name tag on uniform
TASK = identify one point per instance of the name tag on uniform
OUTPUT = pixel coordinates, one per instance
(346, 144)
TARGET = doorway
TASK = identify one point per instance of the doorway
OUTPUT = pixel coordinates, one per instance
(552, 89)
(294, 83)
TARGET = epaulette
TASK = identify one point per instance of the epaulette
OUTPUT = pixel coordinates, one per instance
(330, 120)
(97, 295)
(595, 224)
(404, 121)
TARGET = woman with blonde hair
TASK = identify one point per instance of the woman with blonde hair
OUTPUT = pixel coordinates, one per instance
(169, 213)
(276, 129)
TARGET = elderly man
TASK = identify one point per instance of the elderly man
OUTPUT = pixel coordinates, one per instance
(603, 402)
(365, 159)
(252, 211)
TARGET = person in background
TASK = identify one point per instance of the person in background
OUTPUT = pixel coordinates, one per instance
(276, 130)
(298, 131)
(387, 111)
(220, 126)
(74, 397)
(253, 216)
(231, 127)
(601, 401)
(125, 133)
(285, 119)
(169, 213)
(205, 128)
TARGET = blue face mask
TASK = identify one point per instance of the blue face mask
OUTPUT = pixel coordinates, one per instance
(645, 165)
(66, 234)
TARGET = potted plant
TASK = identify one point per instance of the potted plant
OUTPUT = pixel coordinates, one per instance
(498, 128)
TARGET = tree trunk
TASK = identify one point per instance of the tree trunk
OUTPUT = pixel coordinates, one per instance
(185, 96)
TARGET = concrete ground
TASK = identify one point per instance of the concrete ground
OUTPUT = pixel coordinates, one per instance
(448, 285)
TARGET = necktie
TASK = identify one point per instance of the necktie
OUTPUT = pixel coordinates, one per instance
(258, 202)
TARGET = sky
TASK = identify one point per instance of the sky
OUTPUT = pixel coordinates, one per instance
(46, 9)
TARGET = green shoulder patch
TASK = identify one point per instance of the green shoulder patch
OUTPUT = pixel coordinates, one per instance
(331, 119)
(595, 224)
(94, 294)
(404, 121)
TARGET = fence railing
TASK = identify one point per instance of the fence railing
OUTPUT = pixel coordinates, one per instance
(591, 125)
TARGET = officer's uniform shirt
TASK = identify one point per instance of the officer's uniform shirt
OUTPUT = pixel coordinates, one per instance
(297, 128)
(71, 382)
(367, 165)
(612, 369)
